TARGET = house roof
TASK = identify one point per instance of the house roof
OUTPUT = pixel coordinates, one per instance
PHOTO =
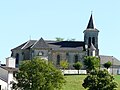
(3, 79)
(62, 45)
(10, 69)
(113, 60)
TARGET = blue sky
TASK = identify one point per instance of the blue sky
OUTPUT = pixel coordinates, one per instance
(20, 19)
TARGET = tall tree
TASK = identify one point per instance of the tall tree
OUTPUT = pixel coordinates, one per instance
(77, 66)
(107, 64)
(91, 63)
(37, 74)
(99, 80)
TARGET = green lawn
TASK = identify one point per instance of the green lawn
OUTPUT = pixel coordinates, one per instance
(74, 82)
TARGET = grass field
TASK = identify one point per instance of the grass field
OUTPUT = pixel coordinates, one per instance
(74, 82)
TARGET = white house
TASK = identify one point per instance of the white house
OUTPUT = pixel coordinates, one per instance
(6, 74)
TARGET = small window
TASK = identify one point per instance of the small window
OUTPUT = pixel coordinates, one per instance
(67, 54)
(93, 40)
(58, 59)
(76, 58)
(40, 53)
(89, 42)
(17, 58)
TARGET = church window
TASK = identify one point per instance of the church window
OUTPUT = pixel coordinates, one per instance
(89, 42)
(23, 55)
(76, 58)
(40, 53)
(93, 40)
(58, 59)
(67, 56)
(17, 58)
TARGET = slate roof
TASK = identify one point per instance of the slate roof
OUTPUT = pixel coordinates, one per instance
(40, 44)
(9, 68)
(104, 59)
(90, 23)
(62, 45)
(3, 79)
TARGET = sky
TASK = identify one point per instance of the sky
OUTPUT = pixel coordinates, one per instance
(21, 20)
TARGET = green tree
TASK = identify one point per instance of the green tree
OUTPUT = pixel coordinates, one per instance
(64, 64)
(37, 74)
(91, 63)
(99, 80)
(77, 66)
(107, 64)
(59, 39)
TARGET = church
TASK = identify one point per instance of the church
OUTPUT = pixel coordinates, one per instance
(72, 51)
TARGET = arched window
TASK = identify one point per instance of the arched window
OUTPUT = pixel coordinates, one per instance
(89, 42)
(58, 59)
(40, 53)
(76, 58)
(23, 56)
(17, 58)
(93, 40)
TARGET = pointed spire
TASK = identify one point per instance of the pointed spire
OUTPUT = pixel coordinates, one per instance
(90, 23)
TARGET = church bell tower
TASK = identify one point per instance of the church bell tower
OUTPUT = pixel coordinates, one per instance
(91, 37)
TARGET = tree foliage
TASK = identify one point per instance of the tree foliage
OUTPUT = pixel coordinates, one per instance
(59, 39)
(36, 74)
(99, 80)
(91, 63)
(107, 64)
(64, 64)
(77, 66)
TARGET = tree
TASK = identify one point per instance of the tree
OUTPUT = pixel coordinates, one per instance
(107, 64)
(64, 64)
(91, 63)
(77, 66)
(99, 80)
(59, 39)
(37, 74)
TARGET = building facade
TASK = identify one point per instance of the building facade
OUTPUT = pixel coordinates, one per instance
(55, 51)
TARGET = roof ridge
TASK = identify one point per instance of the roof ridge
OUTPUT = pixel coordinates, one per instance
(40, 44)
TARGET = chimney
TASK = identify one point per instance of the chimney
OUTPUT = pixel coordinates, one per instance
(10, 62)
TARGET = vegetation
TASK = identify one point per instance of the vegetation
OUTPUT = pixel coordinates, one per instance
(99, 80)
(77, 66)
(91, 63)
(59, 39)
(64, 64)
(107, 64)
(36, 74)
(74, 82)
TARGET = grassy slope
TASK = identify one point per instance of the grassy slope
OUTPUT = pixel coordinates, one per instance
(74, 82)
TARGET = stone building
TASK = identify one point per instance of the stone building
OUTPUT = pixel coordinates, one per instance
(72, 51)
(55, 51)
